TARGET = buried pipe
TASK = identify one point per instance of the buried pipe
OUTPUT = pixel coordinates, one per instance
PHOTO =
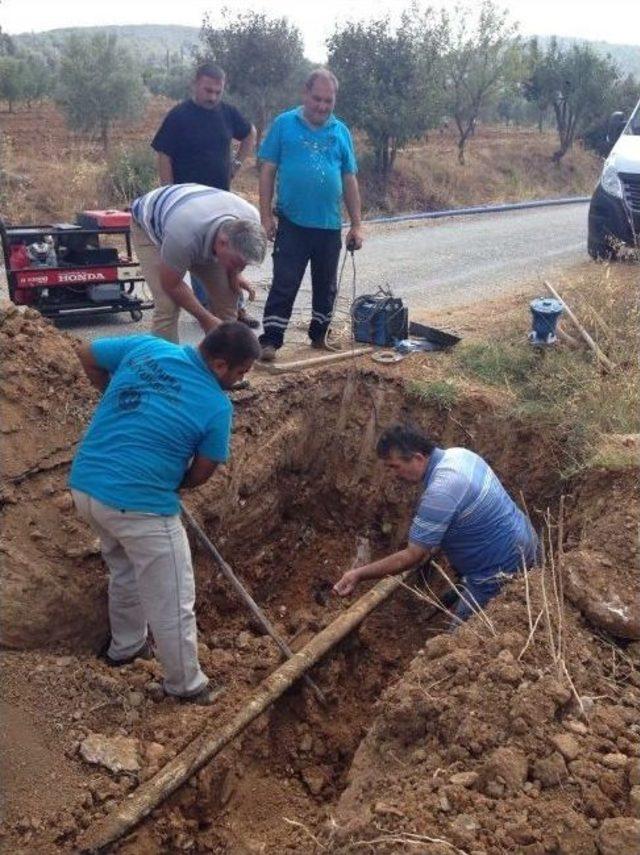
(211, 741)
(299, 364)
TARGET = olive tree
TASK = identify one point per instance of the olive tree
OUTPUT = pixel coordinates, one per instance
(576, 82)
(481, 54)
(262, 57)
(11, 81)
(98, 83)
(389, 79)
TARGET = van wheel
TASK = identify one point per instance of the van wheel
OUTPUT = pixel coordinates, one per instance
(136, 315)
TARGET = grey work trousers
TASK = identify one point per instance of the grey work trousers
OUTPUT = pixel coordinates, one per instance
(151, 582)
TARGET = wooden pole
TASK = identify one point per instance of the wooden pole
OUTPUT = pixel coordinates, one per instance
(564, 335)
(214, 738)
(600, 356)
(299, 364)
(246, 597)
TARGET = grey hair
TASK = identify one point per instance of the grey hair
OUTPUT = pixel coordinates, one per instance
(247, 238)
(321, 74)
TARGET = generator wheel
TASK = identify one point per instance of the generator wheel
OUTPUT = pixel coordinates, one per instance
(136, 315)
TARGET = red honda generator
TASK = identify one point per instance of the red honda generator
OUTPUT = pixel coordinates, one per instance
(80, 268)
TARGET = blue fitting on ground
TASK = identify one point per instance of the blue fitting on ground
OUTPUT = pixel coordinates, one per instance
(545, 313)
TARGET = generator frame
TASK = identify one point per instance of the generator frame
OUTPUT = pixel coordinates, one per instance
(47, 283)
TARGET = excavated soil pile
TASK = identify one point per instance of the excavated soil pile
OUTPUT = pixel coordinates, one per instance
(50, 582)
(602, 571)
(494, 750)
(301, 499)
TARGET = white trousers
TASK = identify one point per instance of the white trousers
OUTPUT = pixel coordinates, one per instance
(151, 583)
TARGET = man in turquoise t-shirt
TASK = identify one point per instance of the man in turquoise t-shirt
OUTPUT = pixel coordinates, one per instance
(310, 153)
(163, 424)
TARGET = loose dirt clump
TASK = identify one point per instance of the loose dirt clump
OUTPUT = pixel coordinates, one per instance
(603, 567)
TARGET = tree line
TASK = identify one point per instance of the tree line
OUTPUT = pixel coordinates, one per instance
(398, 81)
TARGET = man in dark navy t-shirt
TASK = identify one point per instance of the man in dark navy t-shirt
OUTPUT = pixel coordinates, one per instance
(194, 140)
(194, 145)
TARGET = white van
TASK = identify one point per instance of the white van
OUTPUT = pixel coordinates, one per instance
(614, 213)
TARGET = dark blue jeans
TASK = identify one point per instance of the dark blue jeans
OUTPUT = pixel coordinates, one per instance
(476, 595)
(294, 248)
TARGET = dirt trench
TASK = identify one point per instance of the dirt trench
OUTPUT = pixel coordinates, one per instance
(301, 497)
(304, 478)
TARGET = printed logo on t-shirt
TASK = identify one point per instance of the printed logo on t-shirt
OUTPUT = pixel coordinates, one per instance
(154, 376)
(129, 398)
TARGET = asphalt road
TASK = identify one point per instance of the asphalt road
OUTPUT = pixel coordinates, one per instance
(430, 264)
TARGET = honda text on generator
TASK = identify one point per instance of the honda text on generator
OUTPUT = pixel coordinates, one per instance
(73, 268)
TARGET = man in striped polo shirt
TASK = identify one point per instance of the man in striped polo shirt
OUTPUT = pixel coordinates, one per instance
(464, 511)
(208, 232)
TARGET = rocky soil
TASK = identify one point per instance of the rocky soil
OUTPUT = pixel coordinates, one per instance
(495, 739)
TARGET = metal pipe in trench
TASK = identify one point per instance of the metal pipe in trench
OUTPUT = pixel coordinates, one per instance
(213, 739)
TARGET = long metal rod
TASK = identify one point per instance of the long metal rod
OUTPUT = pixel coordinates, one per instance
(129, 812)
(246, 597)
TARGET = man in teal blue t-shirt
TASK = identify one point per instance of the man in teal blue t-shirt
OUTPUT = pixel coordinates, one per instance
(310, 153)
(163, 424)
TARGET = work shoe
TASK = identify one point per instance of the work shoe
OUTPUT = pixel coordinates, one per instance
(244, 318)
(145, 652)
(268, 353)
(319, 344)
(205, 697)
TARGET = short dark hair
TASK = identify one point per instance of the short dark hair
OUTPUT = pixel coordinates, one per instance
(232, 341)
(210, 69)
(406, 440)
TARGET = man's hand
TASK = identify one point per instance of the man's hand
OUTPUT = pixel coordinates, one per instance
(354, 238)
(266, 187)
(182, 295)
(270, 226)
(347, 583)
(399, 561)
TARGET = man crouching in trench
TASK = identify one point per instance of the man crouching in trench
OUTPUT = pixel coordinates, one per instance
(464, 511)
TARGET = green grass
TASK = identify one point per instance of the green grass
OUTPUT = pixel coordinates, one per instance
(439, 393)
(564, 390)
(498, 364)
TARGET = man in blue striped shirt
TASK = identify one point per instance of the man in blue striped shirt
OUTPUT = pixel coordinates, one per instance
(208, 232)
(464, 511)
